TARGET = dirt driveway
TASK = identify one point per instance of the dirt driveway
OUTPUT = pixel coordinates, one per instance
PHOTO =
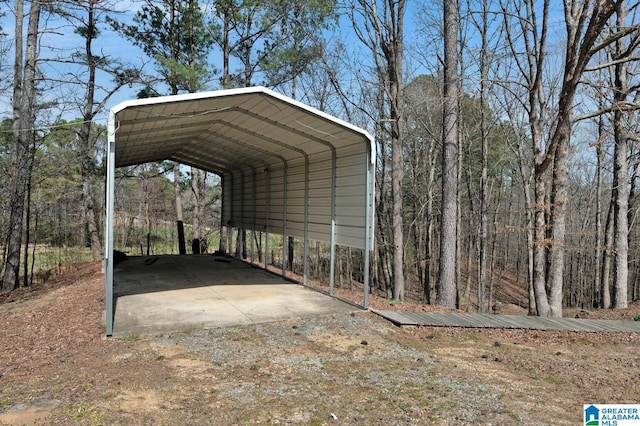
(56, 368)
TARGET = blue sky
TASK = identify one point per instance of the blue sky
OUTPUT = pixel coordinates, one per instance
(59, 41)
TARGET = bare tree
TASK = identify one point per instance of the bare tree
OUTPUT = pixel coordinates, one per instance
(446, 285)
(198, 194)
(622, 116)
(177, 178)
(24, 116)
(393, 51)
(177, 35)
(382, 33)
(85, 19)
(423, 134)
(484, 186)
(584, 23)
(531, 68)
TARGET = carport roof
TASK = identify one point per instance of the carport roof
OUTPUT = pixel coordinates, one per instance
(227, 130)
(286, 167)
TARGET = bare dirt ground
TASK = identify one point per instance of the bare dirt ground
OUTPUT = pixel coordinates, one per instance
(57, 368)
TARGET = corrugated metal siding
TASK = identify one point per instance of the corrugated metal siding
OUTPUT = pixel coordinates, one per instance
(350, 198)
(262, 177)
(275, 199)
(236, 200)
(226, 196)
(248, 197)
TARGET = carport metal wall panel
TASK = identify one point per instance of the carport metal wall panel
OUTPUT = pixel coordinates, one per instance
(276, 199)
(248, 196)
(316, 170)
(226, 198)
(261, 198)
(237, 200)
(351, 196)
(268, 201)
(296, 198)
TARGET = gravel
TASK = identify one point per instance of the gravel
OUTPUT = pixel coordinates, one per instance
(357, 367)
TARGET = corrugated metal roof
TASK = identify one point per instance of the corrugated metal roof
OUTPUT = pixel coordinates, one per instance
(226, 128)
(274, 154)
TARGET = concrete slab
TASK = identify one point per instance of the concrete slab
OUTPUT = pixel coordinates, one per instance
(162, 294)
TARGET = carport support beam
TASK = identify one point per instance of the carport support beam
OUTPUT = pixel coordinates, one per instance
(332, 259)
(306, 219)
(266, 222)
(230, 227)
(109, 229)
(222, 247)
(368, 239)
(242, 237)
(284, 218)
(253, 215)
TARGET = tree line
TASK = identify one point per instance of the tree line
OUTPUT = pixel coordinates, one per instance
(505, 131)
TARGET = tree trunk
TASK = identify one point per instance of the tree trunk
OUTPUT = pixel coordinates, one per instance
(198, 180)
(257, 236)
(466, 295)
(446, 294)
(484, 187)
(540, 246)
(620, 171)
(290, 249)
(394, 54)
(596, 297)
(90, 212)
(182, 246)
(621, 227)
(87, 141)
(605, 276)
(397, 214)
(316, 269)
(24, 115)
(226, 48)
(429, 216)
(27, 231)
(558, 224)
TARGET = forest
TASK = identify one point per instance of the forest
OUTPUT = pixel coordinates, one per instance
(506, 135)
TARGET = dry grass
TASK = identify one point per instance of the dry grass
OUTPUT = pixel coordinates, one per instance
(56, 368)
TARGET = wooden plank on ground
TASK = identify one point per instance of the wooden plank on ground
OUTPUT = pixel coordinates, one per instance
(465, 320)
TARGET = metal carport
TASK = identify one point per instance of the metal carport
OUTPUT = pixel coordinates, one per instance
(286, 167)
